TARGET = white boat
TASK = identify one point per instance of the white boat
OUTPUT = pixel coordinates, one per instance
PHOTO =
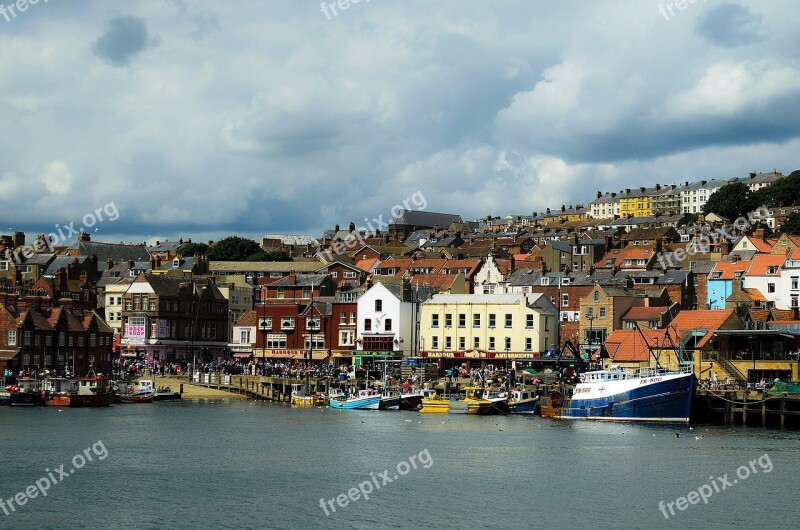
(365, 399)
(523, 402)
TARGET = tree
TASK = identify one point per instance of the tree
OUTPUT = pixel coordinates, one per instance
(233, 248)
(273, 255)
(731, 201)
(784, 191)
(193, 249)
(792, 224)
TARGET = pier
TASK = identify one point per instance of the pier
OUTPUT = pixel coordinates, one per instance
(747, 407)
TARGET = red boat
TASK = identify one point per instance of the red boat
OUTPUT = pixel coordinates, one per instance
(93, 391)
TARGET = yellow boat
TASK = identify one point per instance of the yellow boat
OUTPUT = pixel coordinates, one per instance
(300, 399)
(473, 403)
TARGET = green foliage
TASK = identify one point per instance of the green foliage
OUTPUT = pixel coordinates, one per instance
(784, 191)
(731, 201)
(273, 255)
(193, 249)
(233, 248)
(792, 224)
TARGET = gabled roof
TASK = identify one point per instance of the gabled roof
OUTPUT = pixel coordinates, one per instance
(761, 262)
(302, 280)
(628, 345)
(703, 319)
(726, 270)
(113, 251)
(439, 282)
(367, 264)
(424, 218)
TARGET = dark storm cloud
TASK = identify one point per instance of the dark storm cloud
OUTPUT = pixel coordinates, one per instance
(123, 40)
(730, 25)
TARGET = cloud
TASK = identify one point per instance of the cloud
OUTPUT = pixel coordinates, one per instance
(57, 178)
(730, 25)
(125, 38)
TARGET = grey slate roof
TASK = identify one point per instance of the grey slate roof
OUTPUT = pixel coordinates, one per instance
(423, 218)
(114, 251)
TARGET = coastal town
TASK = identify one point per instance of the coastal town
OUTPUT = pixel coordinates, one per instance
(642, 272)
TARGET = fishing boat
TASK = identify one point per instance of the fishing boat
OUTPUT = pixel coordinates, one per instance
(523, 402)
(436, 404)
(301, 399)
(646, 395)
(412, 399)
(473, 402)
(27, 392)
(90, 391)
(365, 399)
(142, 392)
(390, 400)
(147, 397)
(498, 400)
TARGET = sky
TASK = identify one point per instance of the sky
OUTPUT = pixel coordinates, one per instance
(205, 119)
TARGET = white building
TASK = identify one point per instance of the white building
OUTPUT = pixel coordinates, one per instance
(605, 206)
(489, 278)
(387, 317)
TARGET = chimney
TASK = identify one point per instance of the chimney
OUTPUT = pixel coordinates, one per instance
(109, 263)
(61, 280)
(627, 190)
(599, 194)
(642, 188)
(336, 228)
(628, 282)
(180, 241)
(352, 227)
(210, 243)
(686, 184)
(131, 264)
(752, 176)
(760, 233)
(703, 182)
(563, 207)
(19, 239)
(658, 187)
(292, 279)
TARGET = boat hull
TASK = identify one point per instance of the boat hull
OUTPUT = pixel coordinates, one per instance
(436, 405)
(26, 400)
(525, 406)
(5, 399)
(167, 396)
(666, 399)
(410, 401)
(148, 397)
(389, 403)
(362, 403)
(80, 401)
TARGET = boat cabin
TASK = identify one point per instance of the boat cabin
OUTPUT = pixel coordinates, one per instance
(522, 395)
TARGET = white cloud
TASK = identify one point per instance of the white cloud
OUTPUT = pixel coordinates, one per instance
(57, 178)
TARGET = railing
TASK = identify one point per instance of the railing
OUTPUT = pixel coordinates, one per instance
(731, 369)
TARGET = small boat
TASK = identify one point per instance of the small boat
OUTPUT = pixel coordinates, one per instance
(646, 395)
(436, 404)
(390, 400)
(412, 400)
(365, 399)
(498, 399)
(27, 392)
(91, 391)
(472, 403)
(5, 396)
(523, 402)
(301, 399)
(148, 397)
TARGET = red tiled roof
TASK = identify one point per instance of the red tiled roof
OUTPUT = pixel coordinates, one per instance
(760, 262)
(783, 315)
(443, 282)
(620, 255)
(248, 319)
(401, 264)
(627, 345)
(645, 313)
(435, 264)
(710, 319)
(754, 295)
(366, 264)
(504, 265)
(727, 270)
(762, 245)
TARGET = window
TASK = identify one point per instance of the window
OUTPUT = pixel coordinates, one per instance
(244, 336)
(590, 312)
(272, 275)
(37, 340)
(476, 320)
(314, 342)
(387, 324)
(306, 293)
(794, 282)
(48, 341)
(448, 343)
(529, 321)
(492, 320)
(61, 338)
(462, 343)
(448, 320)
(287, 323)
(12, 338)
(509, 320)
(435, 343)
(346, 338)
(152, 306)
(312, 323)
(276, 342)
(70, 341)
(343, 318)
(602, 312)
(81, 342)
(27, 338)
(508, 343)
(281, 292)
(528, 344)
(352, 317)
(476, 342)
(348, 274)
(462, 320)
(770, 287)
(367, 324)
(565, 300)
(378, 305)
(434, 321)
(128, 305)
(597, 296)
(265, 323)
(491, 343)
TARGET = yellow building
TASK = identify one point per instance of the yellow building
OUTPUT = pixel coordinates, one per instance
(637, 202)
(487, 327)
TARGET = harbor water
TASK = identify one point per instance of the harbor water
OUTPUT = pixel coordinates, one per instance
(240, 464)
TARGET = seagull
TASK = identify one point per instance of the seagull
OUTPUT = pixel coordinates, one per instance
(698, 437)
(654, 434)
(677, 435)
(362, 421)
(408, 421)
(501, 430)
(691, 428)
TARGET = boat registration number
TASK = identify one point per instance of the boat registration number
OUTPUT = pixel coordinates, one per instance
(650, 380)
